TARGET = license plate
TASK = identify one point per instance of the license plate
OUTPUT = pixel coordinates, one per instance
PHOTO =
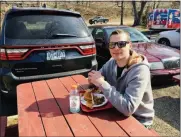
(55, 54)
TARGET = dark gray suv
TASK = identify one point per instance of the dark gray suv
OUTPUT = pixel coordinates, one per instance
(42, 43)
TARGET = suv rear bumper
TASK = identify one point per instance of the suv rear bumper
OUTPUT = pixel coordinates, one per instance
(10, 81)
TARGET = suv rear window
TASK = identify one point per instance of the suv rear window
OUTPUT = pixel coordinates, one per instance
(44, 26)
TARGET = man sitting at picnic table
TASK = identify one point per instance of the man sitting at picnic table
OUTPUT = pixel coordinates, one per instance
(125, 79)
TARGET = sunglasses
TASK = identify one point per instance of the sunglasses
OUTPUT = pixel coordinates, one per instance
(120, 44)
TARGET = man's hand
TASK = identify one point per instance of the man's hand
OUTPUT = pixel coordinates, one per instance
(95, 77)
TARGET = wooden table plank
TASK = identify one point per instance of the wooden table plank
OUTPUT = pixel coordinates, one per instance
(102, 118)
(79, 123)
(3, 125)
(154, 132)
(28, 114)
(134, 127)
(53, 119)
(129, 124)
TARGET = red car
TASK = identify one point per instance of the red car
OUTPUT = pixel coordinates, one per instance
(164, 61)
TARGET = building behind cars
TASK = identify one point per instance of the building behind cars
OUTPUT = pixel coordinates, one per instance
(42, 43)
(164, 19)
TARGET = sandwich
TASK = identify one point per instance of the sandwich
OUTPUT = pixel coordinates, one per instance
(88, 97)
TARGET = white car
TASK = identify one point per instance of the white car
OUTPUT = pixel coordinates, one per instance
(169, 38)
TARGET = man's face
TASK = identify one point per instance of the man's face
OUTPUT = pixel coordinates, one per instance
(120, 53)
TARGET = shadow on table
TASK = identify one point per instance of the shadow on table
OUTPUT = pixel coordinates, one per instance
(51, 108)
(110, 115)
(168, 109)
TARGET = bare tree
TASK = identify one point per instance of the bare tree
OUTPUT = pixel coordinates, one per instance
(38, 3)
(121, 4)
(175, 4)
(122, 12)
(138, 14)
(87, 4)
(156, 4)
(0, 15)
(56, 4)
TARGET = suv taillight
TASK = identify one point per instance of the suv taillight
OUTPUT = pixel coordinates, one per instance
(12, 54)
(88, 49)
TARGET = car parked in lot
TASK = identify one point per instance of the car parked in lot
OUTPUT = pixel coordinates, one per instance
(164, 61)
(98, 19)
(169, 38)
(42, 43)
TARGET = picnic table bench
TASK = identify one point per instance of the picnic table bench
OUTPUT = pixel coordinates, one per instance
(3, 124)
(43, 110)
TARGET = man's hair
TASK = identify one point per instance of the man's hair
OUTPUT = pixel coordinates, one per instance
(119, 32)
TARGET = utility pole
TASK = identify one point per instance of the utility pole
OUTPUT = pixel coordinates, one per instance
(38, 3)
(121, 4)
(122, 10)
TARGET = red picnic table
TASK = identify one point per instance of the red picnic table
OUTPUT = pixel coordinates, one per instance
(177, 78)
(3, 124)
(43, 110)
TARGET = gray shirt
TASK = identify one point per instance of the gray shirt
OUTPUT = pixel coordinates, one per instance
(131, 93)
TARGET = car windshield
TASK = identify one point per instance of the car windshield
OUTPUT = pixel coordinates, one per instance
(90, 29)
(136, 36)
(44, 27)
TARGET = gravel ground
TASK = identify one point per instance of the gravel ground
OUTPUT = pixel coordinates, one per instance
(167, 110)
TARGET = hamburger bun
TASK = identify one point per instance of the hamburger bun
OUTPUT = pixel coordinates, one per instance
(89, 104)
(88, 96)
